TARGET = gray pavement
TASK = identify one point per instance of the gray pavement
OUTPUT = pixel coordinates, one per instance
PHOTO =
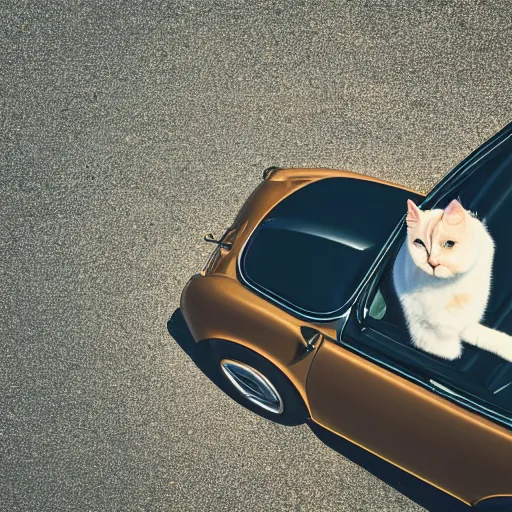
(127, 130)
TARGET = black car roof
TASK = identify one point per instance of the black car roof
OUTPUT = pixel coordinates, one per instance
(313, 249)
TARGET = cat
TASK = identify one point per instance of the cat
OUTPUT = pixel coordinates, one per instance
(442, 276)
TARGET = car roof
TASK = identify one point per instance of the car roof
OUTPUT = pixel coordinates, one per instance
(313, 248)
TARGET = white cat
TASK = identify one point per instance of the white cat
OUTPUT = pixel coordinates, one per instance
(442, 276)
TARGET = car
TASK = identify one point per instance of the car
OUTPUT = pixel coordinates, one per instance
(297, 310)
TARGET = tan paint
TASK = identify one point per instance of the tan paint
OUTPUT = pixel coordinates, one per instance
(455, 450)
(426, 435)
(217, 307)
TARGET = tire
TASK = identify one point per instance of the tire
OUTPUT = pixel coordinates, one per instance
(228, 358)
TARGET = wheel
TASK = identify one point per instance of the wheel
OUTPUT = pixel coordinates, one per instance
(257, 384)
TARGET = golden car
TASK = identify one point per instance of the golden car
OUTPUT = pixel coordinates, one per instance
(298, 309)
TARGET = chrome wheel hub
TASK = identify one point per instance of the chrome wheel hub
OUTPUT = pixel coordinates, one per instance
(253, 385)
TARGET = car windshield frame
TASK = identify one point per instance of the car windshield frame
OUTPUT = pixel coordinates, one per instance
(452, 182)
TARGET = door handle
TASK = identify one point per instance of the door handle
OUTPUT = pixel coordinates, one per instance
(310, 337)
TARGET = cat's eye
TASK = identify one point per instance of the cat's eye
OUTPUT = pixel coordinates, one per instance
(448, 244)
(419, 242)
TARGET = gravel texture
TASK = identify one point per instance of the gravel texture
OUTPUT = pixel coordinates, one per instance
(129, 129)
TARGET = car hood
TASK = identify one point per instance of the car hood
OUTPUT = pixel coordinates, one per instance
(312, 250)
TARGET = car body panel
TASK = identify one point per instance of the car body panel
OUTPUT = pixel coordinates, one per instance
(352, 396)
(217, 307)
(408, 425)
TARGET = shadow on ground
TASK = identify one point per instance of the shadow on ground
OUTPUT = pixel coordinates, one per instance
(196, 351)
(415, 489)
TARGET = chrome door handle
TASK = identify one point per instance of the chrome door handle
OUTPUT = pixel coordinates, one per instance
(310, 337)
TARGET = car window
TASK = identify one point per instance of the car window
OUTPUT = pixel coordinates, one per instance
(476, 174)
(299, 254)
(488, 194)
(478, 374)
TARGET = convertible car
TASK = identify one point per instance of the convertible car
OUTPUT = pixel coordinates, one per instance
(297, 306)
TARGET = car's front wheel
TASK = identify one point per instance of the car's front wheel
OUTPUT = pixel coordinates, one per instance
(257, 384)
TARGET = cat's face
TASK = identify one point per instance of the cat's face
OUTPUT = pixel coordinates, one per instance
(442, 243)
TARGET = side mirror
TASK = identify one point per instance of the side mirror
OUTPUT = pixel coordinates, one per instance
(209, 238)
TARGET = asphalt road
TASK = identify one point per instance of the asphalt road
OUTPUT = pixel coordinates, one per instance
(128, 130)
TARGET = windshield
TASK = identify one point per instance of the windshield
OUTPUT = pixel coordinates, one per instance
(487, 192)
(479, 376)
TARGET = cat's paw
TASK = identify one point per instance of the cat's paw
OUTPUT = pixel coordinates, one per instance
(450, 350)
(506, 353)
(446, 349)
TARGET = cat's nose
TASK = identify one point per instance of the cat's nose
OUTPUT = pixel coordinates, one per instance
(433, 262)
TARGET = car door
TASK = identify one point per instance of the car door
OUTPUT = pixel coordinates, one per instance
(446, 422)
(359, 390)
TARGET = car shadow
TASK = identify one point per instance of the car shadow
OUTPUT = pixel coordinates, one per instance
(197, 352)
(413, 488)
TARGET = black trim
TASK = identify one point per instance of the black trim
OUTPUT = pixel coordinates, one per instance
(494, 504)
(269, 171)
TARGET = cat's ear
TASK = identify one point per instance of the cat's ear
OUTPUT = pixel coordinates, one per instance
(413, 214)
(453, 213)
